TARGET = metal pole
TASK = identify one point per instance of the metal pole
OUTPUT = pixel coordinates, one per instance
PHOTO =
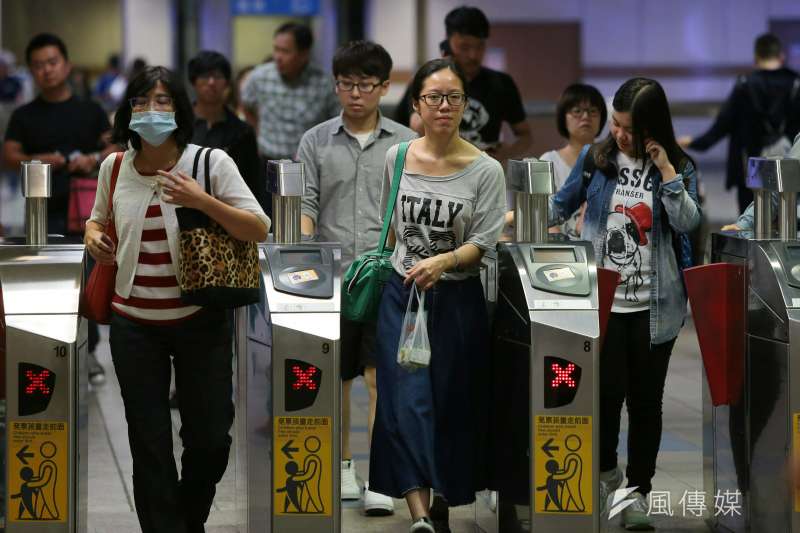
(531, 218)
(787, 216)
(762, 214)
(36, 221)
(286, 215)
(36, 188)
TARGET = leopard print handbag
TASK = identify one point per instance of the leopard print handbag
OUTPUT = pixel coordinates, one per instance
(216, 270)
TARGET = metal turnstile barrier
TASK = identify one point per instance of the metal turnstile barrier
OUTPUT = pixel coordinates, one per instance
(289, 386)
(545, 351)
(44, 347)
(751, 395)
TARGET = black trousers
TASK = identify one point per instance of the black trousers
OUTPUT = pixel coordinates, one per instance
(633, 371)
(201, 351)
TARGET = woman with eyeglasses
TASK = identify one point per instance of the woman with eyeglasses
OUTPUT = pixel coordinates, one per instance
(151, 329)
(640, 190)
(449, 211)
(580, 117)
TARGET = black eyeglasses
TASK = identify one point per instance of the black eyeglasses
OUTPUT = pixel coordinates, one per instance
(578, 112)
(364, 87)
(159, 102)
(436, 99)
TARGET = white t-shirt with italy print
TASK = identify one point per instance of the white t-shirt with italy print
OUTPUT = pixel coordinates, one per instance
(629, 240)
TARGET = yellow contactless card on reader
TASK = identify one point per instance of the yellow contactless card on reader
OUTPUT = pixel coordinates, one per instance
(303, 276)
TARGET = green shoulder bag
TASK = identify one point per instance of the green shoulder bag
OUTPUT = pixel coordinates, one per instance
(363, 282)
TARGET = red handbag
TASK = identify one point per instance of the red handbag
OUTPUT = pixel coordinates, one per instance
(81, 200)
(96, 298)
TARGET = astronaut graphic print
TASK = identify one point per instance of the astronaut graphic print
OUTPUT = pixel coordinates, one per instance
(628, 240)
(428, 224)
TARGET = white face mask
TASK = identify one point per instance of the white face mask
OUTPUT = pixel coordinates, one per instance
(154, 127)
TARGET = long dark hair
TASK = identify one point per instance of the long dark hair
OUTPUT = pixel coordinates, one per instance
(647, 103)
(142, 84)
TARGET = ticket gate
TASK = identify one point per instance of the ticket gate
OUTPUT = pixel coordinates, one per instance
(289, 387)
(44, 349)
(751, 354)
(545, 349)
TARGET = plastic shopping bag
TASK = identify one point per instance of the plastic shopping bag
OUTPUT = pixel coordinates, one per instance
(414, 350)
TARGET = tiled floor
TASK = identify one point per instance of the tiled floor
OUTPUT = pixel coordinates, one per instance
(679, 468)
(110, 491)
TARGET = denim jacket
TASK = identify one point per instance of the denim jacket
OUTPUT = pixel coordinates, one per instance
(675, 209)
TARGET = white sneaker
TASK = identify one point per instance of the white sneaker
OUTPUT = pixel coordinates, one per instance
(423, 525)
(376, 504)
(610, 480)
(634, 516)
(350, 488)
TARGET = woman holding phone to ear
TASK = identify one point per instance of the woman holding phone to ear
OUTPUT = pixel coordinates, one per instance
(641, 200)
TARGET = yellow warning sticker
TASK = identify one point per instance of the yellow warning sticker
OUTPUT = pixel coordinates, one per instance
(796, 476)
(563, 464)
(303, 466)
(38, 474)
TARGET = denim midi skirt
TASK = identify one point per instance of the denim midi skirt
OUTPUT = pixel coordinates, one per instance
(431, 423)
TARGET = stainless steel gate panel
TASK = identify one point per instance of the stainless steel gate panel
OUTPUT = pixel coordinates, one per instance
(545, 350)
(45, 343)
(289, 397)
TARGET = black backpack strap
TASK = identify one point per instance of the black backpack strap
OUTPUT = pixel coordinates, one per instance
(208, 170)
(196, 162)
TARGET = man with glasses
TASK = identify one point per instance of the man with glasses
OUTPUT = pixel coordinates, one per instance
(344, 160)
(217, 126)
(288, 95)
(58, 128)
(493, 97)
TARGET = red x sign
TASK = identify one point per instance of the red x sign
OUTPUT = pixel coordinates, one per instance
(562, 375)
(304, 378)
(37, 381)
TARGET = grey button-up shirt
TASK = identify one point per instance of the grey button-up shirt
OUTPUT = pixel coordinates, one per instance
(343, 182)
(286, 110)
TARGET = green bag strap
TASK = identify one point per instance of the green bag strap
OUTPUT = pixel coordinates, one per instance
(399, 163)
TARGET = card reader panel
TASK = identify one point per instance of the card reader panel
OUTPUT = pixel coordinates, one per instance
(302, 270)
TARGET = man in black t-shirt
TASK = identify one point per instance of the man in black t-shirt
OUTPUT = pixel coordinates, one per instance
(493, 97)
(56, 127)
(60, 129)
(217, 126)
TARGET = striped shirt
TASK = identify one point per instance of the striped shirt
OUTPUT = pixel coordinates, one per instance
(155, 296)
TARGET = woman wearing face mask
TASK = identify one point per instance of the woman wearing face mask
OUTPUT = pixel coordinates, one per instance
(449, 211)
(641, 200)
(151, 329)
